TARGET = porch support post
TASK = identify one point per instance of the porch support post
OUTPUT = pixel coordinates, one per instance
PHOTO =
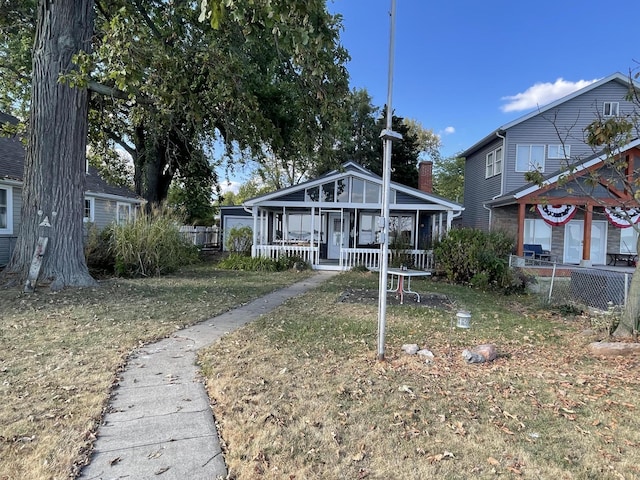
(449, 219)
(522, 207)
(313, 233)
(416, 227)
(254, 213)
(440, 226)
(586, 237)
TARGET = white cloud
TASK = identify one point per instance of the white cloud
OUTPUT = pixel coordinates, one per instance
(449, 130)
(542, 94)
(230, 186)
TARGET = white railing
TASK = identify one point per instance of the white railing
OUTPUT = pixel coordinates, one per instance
(307, 253)
(370, 258)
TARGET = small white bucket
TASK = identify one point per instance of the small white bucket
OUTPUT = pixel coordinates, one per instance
(463, 319)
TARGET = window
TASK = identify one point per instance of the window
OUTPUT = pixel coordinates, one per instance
(494, 163)
(328, 192)
(401, 230)
(342, 190)
(537, 231)
(628, 240)
(559, 151)
(312, 194)
(368, 228)
(357, 190)
(610, 109)
(372, 193)
(89, 205)
(6, 210)
(529, 158)
(123, 213)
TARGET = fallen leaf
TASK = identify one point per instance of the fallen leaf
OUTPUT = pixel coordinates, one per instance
(493, 461)
(160, 471)
(114, 461)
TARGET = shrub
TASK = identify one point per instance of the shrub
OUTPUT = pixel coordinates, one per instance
(151, 245)
(97, 249)
(240, 240)
(470, 256)
(236, 261)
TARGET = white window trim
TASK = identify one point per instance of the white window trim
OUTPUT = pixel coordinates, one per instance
(123, 204)
(9, 228)
(611, 108)
(531, 167)
(92, 209)
(493, 166)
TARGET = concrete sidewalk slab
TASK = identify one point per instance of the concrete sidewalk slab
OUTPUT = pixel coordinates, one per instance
(159, 423)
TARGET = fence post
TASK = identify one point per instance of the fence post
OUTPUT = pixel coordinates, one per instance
(626, 288)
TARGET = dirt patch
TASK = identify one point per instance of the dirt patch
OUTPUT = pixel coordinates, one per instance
(369, 296)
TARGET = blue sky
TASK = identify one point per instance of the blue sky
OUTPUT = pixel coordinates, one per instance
(465, 67)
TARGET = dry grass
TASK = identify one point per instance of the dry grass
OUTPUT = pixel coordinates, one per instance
(60, 354)
(299, 395)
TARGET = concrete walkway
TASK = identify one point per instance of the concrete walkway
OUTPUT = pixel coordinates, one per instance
(159, 423)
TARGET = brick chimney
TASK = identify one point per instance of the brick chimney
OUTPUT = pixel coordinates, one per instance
(425, 176)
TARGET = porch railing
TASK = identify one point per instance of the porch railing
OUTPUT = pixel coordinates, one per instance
(307, 253)
(370, 258)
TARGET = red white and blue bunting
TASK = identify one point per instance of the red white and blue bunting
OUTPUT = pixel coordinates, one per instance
(556, 215)
(621, 217)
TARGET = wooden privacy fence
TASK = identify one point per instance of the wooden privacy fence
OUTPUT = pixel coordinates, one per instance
(203, 236)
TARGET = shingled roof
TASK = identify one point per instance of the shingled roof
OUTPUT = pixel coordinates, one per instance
(12, 155)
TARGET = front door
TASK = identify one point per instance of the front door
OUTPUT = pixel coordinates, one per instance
(338, 234)
(573, 235)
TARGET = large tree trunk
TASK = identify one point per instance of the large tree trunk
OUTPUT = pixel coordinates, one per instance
(54, 179)
(629, 322)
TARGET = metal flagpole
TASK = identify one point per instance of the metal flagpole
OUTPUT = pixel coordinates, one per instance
(388, 136)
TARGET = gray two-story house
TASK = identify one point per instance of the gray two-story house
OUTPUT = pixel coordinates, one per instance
(103, 203)
(559, 216)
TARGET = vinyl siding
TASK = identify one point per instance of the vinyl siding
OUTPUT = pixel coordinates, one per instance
(563, 124)
(478, 189)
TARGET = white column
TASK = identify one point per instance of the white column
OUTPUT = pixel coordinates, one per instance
(254, 213)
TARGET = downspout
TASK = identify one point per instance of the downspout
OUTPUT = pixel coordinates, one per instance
(504, 156)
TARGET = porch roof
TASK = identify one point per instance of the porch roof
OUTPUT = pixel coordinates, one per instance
(572, 191)
(407, 198)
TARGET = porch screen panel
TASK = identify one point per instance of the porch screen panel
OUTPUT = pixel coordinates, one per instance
(367, 228)
(342, 190)
(372, 193)
(357, 191)
(401, 230)
(329, 192)
(537, 231)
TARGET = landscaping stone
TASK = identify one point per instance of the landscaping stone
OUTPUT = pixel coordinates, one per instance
(410, 348)
(480, 354)
(611, 349)
(426, 354)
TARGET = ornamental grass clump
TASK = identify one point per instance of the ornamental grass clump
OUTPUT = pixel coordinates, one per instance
(151, 245)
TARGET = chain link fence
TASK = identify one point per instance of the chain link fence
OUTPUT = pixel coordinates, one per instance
(599, 288)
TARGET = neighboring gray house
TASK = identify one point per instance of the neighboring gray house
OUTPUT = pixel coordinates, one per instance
(332, 221)
(103, 203)
(497, 196)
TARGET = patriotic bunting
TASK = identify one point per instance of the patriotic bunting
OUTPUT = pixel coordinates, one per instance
(556, 215)
(621, 217)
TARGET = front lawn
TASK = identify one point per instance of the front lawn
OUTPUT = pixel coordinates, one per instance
(299, 393)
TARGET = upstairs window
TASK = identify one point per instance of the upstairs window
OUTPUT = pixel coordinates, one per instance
(529, 158)
(610, 109)
(559, 151)
(494, 163)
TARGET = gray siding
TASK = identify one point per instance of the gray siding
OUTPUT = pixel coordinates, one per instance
(565, 123)
(478, 189)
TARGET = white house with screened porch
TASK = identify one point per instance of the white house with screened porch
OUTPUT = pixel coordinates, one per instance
(332, 221)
